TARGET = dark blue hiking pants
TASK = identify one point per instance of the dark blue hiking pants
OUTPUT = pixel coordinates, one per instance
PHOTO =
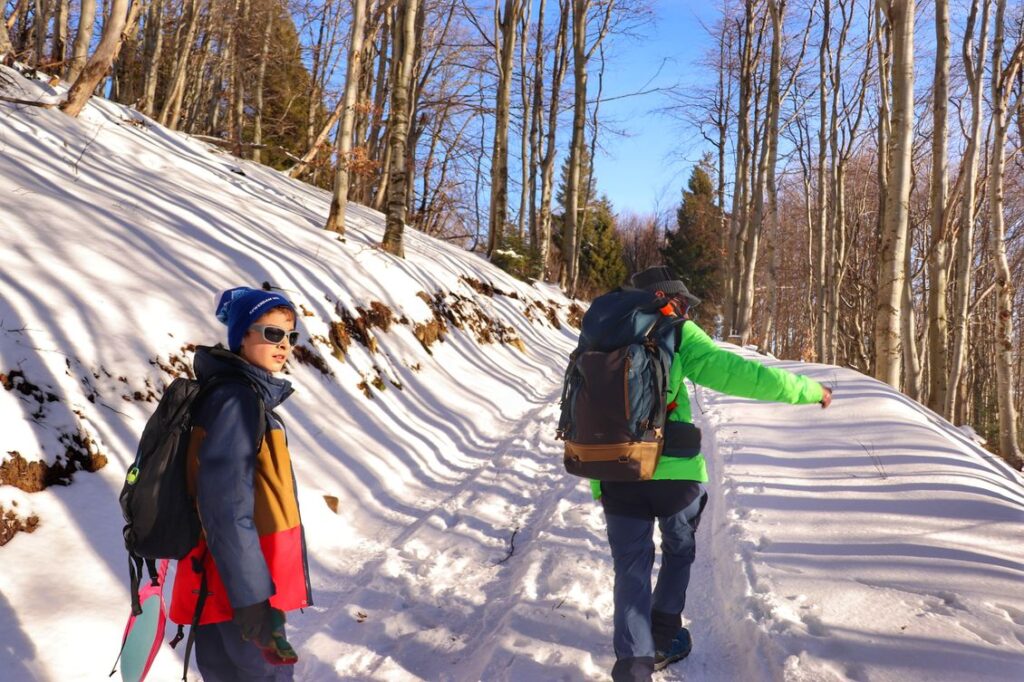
(223, 656)
(646, 621)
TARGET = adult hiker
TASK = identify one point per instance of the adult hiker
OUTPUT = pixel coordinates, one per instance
(648, 631)
(250, 564)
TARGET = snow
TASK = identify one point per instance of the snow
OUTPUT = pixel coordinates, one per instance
(871, 541)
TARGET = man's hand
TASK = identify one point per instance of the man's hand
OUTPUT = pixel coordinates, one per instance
(256, 623)
(826, 397)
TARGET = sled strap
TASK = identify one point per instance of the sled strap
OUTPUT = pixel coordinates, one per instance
(135, 575)
(200, 602)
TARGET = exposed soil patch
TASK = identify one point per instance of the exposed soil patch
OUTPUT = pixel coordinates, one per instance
(11, 523)
(177, 365)
(358, 326)
(80, 454)
(575, 316)
(538, 311)
(15, 380)
(486, 288)
(309, 356)
(377, 381)
(463, 313)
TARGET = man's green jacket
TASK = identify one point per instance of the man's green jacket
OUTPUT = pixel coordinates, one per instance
(701, 361)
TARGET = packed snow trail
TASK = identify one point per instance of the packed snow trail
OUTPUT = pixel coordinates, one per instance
(509, 577)
(505, 578)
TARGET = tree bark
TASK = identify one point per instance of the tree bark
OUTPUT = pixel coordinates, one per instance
(171, 110)
(239, 63)
(1001, 85)
(5, 39)
(536, 131)
(153, 50)
(261, 77)
(974, 66)
(60, 33)
(339, 201)
(937, 267)
(821, 211)
(560, 63)
(505, 24)
(891, 274)
(42, 22)
(398, 124)
(738, 220)
(570, 258)
(99, 63)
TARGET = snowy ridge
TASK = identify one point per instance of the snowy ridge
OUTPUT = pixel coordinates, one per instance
(872, 541)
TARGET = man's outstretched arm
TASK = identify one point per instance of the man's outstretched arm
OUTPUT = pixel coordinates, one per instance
(704, 363)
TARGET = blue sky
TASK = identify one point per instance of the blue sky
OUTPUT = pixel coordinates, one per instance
(653, 160)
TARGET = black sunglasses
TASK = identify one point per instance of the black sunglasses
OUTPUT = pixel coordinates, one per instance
(276, 334)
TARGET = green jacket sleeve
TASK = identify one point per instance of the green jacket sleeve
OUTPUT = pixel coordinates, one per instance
(704, 363)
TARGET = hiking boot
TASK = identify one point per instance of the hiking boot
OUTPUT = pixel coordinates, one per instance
(677, 650)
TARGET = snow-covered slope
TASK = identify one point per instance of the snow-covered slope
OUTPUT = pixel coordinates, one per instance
(871, 541)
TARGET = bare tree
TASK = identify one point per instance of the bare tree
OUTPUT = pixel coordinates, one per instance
(339, 201)
(83, 37)
(5, 39)
(171, 110)
(505, 26)
(1002, 76)
(153, 51)
(398, 125)
(974, 66)
(271, 11)
(559, 66)
(99, 63)
(888, 345)
(937, 266)
(582, 52)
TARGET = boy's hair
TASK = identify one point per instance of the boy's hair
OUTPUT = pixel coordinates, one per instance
(283, 309)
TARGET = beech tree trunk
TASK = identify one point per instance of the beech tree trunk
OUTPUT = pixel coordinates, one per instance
(974, 67)
(938, 330)
(152, 50)
(261, 77)
(339, 201)
(99, 63)
(536, 131)
(398, 125)
(560, 63)
(891, 274)
(60, 33)
(570, 257)
(171, 110)
(83, 37)
(505, 25)
(5, 40)
(1001, 84)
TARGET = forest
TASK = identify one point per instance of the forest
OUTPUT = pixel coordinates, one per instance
(858, 201)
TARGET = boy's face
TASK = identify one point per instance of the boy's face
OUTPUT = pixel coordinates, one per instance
(257, 350)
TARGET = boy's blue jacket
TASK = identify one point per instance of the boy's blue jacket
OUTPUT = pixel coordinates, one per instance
(253, 546)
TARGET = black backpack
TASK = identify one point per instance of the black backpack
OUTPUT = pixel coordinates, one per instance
(613, 395)
(161, 519)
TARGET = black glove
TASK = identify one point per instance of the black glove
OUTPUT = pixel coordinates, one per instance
(256, 623)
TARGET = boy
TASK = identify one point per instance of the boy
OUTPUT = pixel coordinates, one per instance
(250, 564)
(648, 632)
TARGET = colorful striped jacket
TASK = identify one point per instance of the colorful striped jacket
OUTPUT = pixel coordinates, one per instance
(252, 546)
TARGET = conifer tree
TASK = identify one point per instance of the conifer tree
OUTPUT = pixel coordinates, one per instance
(693, 250)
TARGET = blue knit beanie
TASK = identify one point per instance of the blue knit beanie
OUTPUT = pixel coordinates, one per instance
(238, 308)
